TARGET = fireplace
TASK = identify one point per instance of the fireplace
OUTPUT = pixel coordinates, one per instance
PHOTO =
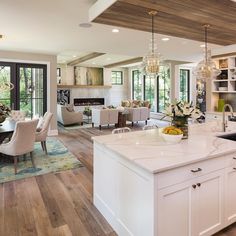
(88, 101)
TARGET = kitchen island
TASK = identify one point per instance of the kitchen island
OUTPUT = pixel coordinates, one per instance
(144, 186)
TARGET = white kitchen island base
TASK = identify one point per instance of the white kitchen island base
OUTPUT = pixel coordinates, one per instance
(180, 198)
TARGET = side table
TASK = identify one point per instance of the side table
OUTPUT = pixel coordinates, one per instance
(122, 117)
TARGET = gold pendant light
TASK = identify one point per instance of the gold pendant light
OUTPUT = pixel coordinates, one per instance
(206, 69)
(151, 62)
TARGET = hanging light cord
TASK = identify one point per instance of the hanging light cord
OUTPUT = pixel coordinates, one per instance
(206, 43)
(153, 33)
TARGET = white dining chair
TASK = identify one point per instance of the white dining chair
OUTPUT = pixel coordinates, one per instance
(17, 115)
(147, 127)
(22, 141)
(121, 130)
(42, 130)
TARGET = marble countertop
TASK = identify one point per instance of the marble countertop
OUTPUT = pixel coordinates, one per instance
(148, 150)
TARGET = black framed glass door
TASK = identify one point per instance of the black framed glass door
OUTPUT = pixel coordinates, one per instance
(30, 87)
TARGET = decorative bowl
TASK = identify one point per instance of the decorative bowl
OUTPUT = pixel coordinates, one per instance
(172, 138)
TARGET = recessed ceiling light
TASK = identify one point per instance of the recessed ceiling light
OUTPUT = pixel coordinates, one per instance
(74, 56)
(165, 39)
(115, 30)
(202, 45)
(85, 25)
(94, 63)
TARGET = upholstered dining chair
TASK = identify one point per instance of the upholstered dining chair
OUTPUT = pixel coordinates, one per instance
(147, 127)
(42, 130)
(121, 130)
(22, 141)
(17, 115)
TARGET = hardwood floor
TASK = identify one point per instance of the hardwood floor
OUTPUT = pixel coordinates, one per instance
(59, 204)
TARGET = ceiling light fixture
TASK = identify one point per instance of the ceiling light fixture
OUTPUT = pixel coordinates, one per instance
(151, 62)
(206, 69)
(74, 56)
(165, 39)
(115, 30)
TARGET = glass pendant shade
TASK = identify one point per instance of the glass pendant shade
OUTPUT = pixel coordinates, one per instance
(151, 62)
(206, 69)
(6, 86)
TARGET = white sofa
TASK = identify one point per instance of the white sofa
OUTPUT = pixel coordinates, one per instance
(104, 117)
(67, 116)
(138, 114)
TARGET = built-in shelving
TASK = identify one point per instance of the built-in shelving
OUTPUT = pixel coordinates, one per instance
(83, 86)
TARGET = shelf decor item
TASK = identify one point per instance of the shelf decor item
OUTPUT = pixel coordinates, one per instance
(221, 103)
(180, 111)
(4, 112)
(206, 69)
(151, 62)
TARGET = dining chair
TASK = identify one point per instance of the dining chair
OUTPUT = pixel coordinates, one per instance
(147, 127)
(42, 130)
(17, 115)
(22, 141)
(121, 130)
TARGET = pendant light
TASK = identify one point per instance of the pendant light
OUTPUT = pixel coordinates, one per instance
(206, 69)
(151, 62)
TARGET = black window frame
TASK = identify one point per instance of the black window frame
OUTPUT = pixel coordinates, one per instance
(188, 83)
(121, 73)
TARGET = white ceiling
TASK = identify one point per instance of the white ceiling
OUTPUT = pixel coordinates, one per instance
(52, 27)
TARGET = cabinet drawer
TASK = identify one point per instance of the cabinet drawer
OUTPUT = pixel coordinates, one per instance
(191, 171)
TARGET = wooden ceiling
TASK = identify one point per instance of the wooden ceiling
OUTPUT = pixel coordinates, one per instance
(179, 18)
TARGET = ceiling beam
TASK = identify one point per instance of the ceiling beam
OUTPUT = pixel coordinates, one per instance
(85, 58)
(123, 63)
(231, 54)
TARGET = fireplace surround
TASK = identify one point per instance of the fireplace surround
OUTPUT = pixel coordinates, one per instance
(89, 101)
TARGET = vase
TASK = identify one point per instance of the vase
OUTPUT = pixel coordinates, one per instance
(2, 119)
(181, 123)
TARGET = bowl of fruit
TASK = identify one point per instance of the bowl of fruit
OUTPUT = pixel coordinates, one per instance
(171, 134)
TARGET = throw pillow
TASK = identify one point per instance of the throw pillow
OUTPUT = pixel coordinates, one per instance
(70, 108)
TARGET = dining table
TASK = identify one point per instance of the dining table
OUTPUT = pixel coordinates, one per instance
(6, 129)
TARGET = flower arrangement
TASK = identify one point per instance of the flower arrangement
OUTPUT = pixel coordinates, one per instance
(183, 110)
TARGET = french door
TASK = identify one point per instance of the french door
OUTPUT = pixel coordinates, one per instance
(30, 87)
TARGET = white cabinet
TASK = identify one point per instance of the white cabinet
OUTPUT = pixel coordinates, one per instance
(230, 195)
(175, 210)
(192, 208)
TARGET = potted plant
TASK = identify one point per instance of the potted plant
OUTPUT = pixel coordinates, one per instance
(4, 112)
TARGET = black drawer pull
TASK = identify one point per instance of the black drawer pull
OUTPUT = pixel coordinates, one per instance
(194, 186)
(199, 184)
(234, 158)
(234, 168)
(197, 170)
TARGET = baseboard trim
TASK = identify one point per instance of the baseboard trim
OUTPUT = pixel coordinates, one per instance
(53, 132)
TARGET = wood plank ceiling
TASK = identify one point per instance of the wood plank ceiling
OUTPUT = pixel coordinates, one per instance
(179, 18)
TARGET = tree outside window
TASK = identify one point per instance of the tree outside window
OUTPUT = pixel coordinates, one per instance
(184, 93)
(137, 82)
(117, 77)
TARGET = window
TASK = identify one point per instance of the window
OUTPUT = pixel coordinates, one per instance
(117, 77)
(163, 88)
(30, 87)
(137, 83)
(155, 90)
(184, 93)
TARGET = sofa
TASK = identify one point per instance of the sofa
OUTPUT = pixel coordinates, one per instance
(104, 117)
(67, 116)
(137, 110)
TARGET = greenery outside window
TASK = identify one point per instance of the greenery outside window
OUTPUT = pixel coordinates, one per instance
(117, 77)
(184, 92)
(137, 83)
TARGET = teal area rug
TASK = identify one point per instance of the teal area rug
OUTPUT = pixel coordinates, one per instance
(58, 159)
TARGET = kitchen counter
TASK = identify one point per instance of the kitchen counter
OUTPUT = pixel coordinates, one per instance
(145, 186)
(148, 150)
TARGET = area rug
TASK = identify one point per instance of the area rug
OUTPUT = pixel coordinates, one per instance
(58, 159)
